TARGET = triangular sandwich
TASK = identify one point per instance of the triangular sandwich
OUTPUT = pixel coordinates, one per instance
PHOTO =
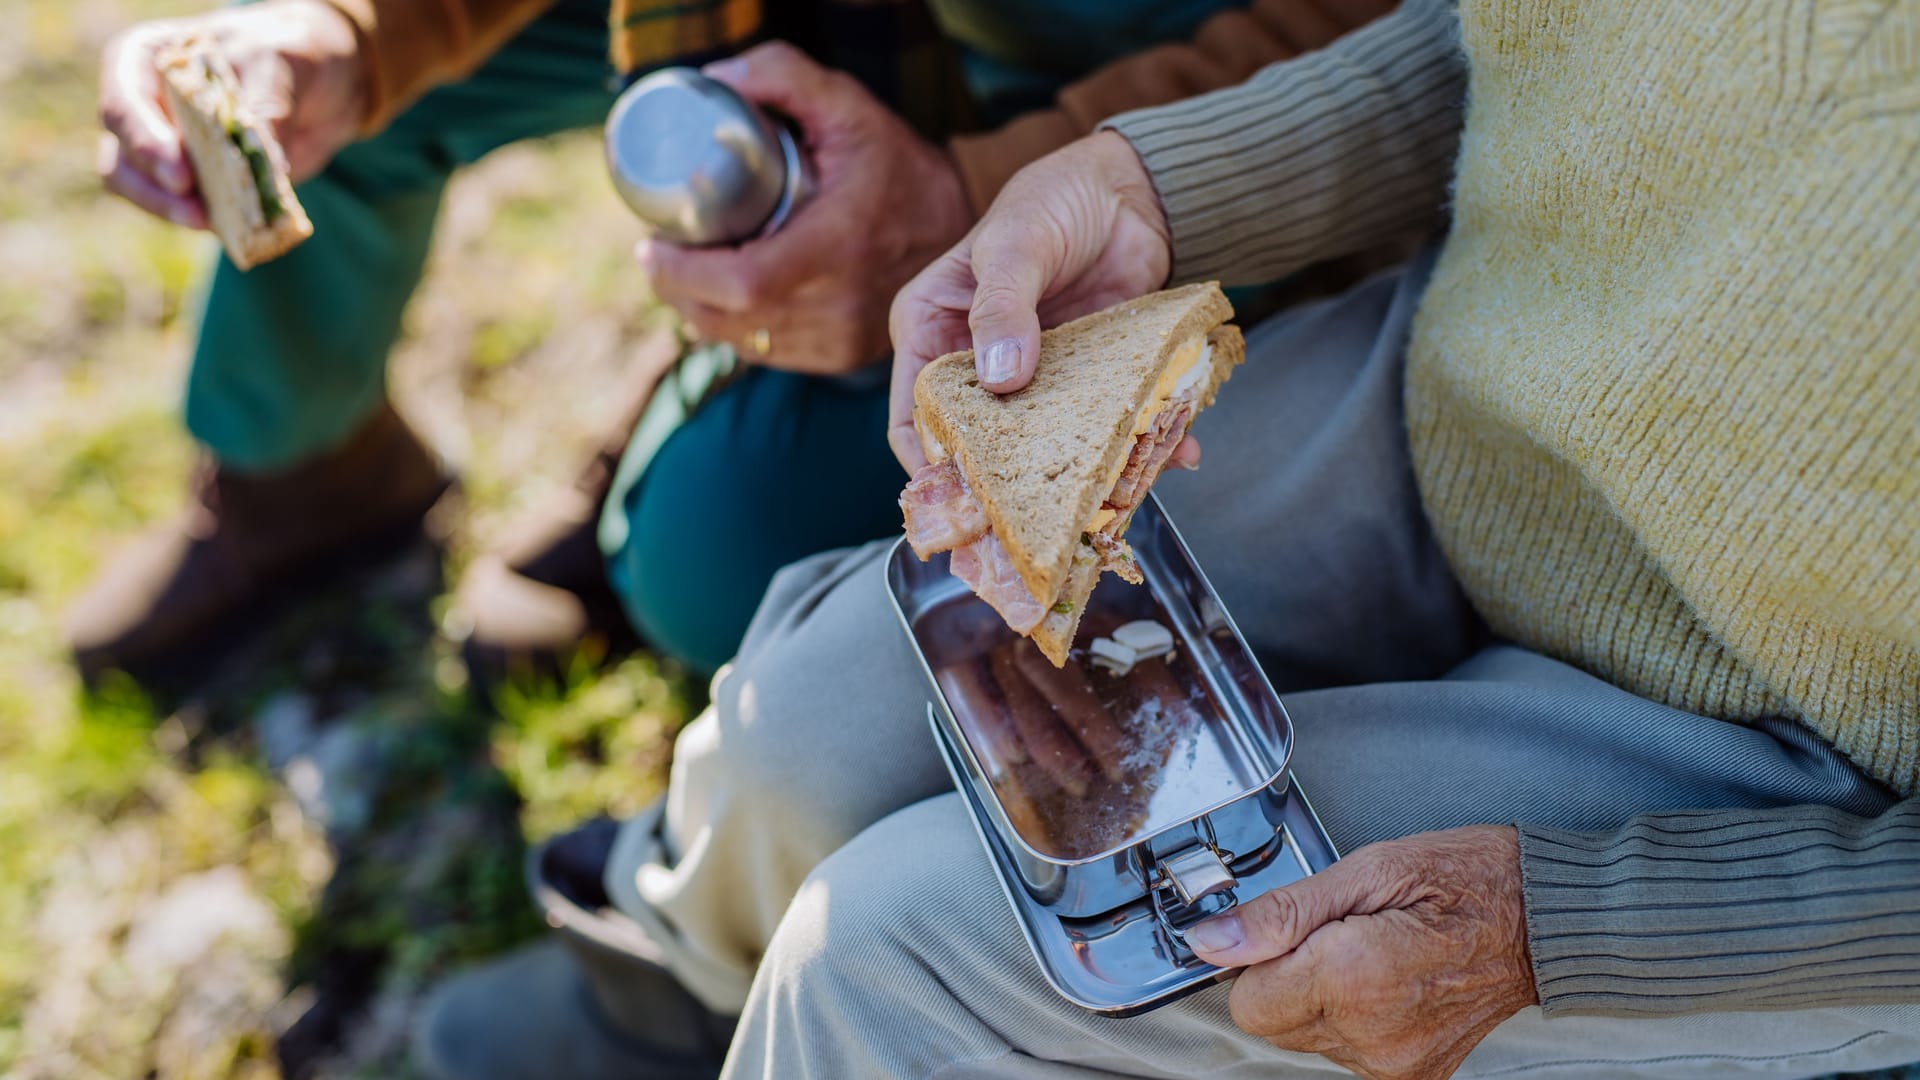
(1032, 492)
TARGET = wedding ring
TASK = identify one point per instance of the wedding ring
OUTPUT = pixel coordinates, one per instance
(760, 342)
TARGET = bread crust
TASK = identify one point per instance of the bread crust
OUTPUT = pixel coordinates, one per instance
(221, 171)
(1056, 632)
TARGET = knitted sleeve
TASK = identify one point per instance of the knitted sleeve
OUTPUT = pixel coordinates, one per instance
(1724, 910)
(1316, 157)
(1228, 48)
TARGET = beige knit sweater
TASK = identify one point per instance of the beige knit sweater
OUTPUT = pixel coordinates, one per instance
(1663, 397)
(1664, 391)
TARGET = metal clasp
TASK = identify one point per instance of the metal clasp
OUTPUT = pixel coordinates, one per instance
(1198, 873)
(1201, 881)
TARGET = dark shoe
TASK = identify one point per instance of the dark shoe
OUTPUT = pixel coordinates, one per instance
(529, 611)
(541, 599)
(595, 1003)
(247, 536)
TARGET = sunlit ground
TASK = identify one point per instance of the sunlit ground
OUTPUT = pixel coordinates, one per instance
(276, 867)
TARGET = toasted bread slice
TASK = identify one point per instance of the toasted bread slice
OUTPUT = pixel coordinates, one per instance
(1055, 633)
(1042, 460)
(237, 164)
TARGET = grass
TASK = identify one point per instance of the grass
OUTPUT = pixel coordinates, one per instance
(177, 898)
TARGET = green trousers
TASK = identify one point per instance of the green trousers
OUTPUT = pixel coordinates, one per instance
(292, 358)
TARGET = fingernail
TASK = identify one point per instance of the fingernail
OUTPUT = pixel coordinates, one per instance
(1001, 361)
(1218, 934)
(728, 70)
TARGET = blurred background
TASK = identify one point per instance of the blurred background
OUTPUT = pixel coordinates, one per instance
(261, 879)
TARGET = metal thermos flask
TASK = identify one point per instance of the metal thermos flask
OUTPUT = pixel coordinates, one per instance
(700, 163)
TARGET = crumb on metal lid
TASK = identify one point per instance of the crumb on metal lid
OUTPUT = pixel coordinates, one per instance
(1145, 637)
(1112, 655)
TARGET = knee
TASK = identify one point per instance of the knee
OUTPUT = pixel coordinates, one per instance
(763, 474)
(763, 747)
(702, 541)
(904, 900)
(823, 678)
(841, 978)
(903, 929)
(824, 648)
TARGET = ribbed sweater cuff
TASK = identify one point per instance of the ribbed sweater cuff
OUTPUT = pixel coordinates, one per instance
(1315, 157)
(1724, 910)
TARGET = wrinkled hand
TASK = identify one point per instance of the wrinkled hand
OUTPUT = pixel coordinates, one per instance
(1394, 962)
(1079, 230)
(885, 203)
(300, 70)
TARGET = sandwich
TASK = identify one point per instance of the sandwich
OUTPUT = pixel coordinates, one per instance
(1032, 492)
(237, 164)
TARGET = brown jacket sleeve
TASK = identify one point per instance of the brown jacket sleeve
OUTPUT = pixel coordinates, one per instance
(1227, 49)
(412, 45)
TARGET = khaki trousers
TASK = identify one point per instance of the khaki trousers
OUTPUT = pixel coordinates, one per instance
(811, 865)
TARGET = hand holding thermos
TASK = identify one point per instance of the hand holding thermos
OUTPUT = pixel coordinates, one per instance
(786, 237)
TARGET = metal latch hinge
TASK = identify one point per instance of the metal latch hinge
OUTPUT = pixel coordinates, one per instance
(1190, 885)
(1197, 873)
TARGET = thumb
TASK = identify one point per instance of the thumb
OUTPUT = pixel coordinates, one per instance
(1275, 923)
(1011, 268)
(266, 90)
(777, 75)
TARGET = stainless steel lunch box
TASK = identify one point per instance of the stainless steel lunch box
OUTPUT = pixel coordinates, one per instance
(1221, 818)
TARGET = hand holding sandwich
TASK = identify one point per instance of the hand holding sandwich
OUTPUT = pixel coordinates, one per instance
(299, 70)
(1079, 230)
(1029, 454)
